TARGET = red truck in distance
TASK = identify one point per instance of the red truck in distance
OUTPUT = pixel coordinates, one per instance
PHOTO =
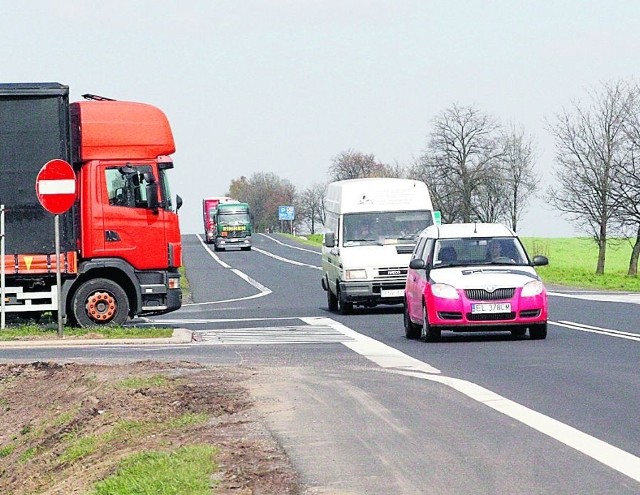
(120, 244)
(209, 210)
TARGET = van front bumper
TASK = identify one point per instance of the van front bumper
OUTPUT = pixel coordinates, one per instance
(371, 293)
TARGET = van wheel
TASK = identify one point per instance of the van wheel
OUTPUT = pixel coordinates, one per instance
(99, 301)
(332, 300)
(344, 307)
(427, 332)
(411, 330)
(538, 331)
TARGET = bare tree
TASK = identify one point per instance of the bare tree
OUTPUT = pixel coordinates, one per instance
(461, 147)
(312, 206)
(517, 164)
(590, 149)
(352, 164)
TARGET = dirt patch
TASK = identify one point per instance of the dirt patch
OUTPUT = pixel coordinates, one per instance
(47, 408)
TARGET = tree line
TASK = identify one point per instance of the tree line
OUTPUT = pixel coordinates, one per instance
(479, 170)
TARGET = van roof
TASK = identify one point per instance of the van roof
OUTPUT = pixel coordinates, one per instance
(377, 194)
(467, 230)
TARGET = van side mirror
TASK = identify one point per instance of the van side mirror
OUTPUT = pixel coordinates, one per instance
(540, 260)
(329, 239)
(417, 264)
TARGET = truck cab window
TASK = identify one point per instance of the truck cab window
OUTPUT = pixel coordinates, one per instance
(126, 186)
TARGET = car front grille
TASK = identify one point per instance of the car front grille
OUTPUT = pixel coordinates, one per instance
(485, 295)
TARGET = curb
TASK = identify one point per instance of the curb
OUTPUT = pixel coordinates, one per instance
(180, 336)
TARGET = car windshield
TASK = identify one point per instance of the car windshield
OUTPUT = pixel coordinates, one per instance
(479, 251)
(390, 227)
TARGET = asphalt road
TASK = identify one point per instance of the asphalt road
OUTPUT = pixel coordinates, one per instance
(362, 410)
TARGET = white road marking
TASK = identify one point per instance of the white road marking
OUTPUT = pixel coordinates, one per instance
(599, 330)
(264, 291)
(623, 297)
(397, 362)
(289, 245)
(286, 260)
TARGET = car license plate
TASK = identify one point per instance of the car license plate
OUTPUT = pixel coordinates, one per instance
(491, 308)
(391, 292)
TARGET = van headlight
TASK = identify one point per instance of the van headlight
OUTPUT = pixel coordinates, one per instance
(444, 291)
(359, 274)
(532, 288)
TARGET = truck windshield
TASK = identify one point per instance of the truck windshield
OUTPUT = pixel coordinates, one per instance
(385, 227)
(233, 218)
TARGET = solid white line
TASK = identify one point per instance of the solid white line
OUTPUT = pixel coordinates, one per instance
(286, 260)
(289, 245)
(601, 331)
(397, 362)
(628, 298)
(264, 291)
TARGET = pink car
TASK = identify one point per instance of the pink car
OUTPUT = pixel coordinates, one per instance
(473, 277)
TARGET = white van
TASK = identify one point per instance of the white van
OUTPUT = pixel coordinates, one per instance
(372, 226)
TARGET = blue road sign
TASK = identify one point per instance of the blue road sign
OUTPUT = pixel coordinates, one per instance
(286, 213)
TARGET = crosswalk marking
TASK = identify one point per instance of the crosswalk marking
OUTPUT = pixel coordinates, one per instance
(289, 334)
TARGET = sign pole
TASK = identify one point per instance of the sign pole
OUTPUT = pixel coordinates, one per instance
(2, 270)
(56, 222)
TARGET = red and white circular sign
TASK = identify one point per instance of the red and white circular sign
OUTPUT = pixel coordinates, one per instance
(56, 186)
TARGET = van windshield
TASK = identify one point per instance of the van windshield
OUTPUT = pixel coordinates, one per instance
(479, 251)
(391, 227)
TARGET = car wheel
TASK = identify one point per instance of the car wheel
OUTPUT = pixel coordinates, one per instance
(518, 332)
(100, 301)
(538, 331)
(427, 332)
(344, 307)
(332, 300)
(411, 330)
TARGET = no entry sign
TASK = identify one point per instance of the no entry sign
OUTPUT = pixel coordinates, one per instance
(56, 186)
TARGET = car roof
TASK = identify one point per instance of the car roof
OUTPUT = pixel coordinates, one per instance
(466, 230)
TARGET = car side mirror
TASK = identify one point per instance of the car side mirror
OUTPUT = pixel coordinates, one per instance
(417, 264)
(329, 239)
(540, 260)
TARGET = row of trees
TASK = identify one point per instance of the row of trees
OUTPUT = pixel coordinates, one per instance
(480, 171)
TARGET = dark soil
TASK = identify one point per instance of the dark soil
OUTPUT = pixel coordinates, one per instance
(45, 406)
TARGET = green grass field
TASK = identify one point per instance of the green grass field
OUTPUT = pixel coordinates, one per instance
(572, 262)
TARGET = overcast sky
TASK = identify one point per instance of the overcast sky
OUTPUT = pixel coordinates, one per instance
(283, 86)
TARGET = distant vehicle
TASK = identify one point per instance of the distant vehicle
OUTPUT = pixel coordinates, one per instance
(234, 226)
(372, 225)
(473, 277)
(209, 210)
(120, 244)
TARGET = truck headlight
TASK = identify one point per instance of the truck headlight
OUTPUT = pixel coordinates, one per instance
(532, 288)
(444, 291)
(359, 274)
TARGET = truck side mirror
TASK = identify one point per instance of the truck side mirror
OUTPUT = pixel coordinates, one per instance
(329, 239)
(178, 202)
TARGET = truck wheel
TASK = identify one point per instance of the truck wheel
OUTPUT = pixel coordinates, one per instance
(100, 301)
(332, 301)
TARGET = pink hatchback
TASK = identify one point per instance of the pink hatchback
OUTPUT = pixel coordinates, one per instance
(473, 277)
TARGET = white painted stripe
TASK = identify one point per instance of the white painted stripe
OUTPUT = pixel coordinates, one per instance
(63, 186)
(598, 330)
(286, 260)
(398, 362)
(290, 246)
(629, 297)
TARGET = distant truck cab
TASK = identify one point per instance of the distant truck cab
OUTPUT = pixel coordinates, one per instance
(372, 225)
(234, 226)
(120, 242)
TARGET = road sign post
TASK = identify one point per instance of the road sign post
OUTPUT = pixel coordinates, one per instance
(56, 190)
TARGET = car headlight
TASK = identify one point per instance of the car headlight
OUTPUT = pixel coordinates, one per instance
(444, 291)
(359, 274)
(532, 288)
